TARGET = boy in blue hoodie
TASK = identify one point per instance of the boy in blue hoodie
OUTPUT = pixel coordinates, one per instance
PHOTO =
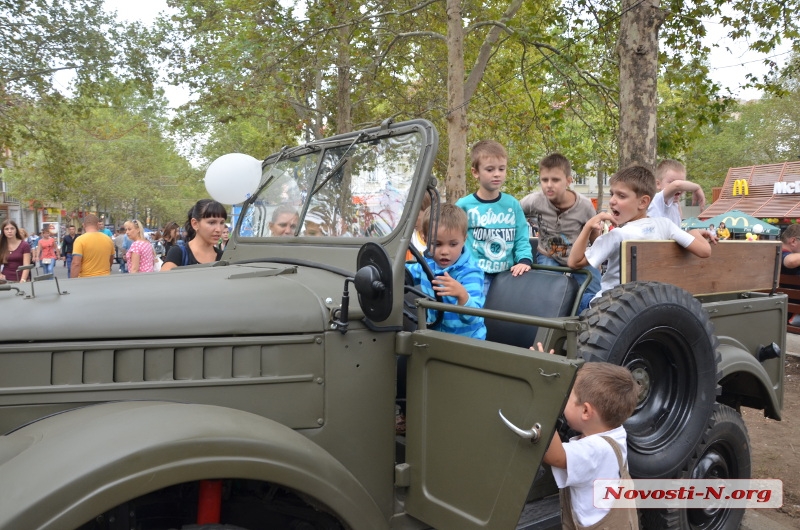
(457, 278)
(497, 233)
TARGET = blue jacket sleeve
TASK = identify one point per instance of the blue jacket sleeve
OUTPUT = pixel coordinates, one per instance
(472, 280)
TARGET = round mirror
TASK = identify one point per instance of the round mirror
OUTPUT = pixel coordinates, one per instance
(373, 282)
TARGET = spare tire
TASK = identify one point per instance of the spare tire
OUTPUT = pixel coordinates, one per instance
(662, 334)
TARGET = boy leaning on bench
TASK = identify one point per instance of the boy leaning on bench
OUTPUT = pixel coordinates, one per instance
(632, 189)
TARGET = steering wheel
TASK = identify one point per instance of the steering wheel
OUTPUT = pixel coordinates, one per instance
(407, 309)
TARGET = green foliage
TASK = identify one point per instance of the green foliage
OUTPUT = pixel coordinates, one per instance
(758, 132)
(91, 154)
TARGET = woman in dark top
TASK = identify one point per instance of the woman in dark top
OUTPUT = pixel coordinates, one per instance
(14, 252)
(170, 237)
(203, 229)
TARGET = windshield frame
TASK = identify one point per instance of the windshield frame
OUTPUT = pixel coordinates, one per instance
(346, 144)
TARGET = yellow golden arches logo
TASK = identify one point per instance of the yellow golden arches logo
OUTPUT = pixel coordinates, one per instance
(740, 187)
(736, 222)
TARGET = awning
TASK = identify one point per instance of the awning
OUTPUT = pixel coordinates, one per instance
(740, 223)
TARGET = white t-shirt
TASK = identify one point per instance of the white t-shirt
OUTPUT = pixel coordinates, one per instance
(669, 208)
(606, 247)
(589, 459)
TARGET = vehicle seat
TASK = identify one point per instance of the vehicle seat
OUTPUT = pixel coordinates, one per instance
(536, 293)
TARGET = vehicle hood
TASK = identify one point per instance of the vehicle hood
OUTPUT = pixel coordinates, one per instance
(252, 299)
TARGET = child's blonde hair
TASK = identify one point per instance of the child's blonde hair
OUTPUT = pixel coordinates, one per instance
(667, 165)
(638, 178)
(451, 217)
(610, 389)
(487, 149)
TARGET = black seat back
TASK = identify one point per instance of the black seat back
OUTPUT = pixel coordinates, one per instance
(536, 293)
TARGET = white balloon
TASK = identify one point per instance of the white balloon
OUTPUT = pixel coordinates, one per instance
(232, 178)
(758, 229)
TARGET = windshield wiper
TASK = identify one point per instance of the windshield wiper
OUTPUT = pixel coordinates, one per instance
(284, 153)
(342, 161)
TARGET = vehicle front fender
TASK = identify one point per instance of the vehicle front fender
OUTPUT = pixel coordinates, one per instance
(63, 470)
(741, 374)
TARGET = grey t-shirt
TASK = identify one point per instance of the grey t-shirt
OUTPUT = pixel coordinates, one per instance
(557, 229)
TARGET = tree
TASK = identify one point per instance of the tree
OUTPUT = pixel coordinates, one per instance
(113, 157)
(40, 38)
(753, 133)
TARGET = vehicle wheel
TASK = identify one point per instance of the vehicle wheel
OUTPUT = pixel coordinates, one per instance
(723, 452)
(662, 334)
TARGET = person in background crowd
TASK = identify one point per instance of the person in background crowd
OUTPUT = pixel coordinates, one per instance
(722, 232)
(284, 221)
(66, 248)
(119, 249)
(171, 237)
(14, 252)
(33, 242)
(47, 251)
(102, 228)
(203, 227)
(140, 257)
(223, 241)
(93, 252)
(790, 259)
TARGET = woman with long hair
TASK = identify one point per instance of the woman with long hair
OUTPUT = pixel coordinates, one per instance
(14, 252)
(170, 236)
(203, 229)
(140, 256)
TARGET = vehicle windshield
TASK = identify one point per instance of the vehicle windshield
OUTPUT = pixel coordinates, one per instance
(356, 188)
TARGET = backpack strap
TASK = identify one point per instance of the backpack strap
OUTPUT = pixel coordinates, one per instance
(184, 256)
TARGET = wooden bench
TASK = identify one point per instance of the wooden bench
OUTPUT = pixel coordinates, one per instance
(790, 286)
(734, 266)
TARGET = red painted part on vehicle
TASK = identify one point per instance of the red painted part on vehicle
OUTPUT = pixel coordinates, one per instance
(209, 502)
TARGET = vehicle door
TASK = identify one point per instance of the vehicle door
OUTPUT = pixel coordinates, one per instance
(468, 468)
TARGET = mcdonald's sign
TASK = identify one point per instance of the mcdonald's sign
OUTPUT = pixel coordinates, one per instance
(740, 187)
(736, 222)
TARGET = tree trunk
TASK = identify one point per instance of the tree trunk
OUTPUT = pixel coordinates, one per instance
(459, 91)
(637, 49)
(344, 119)
(455, 183)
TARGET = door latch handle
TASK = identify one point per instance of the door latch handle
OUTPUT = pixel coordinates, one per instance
(533, 434)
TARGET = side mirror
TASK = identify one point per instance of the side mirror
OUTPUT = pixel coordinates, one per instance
(373, 282)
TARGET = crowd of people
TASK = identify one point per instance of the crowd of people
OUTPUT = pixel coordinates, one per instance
(92, 249)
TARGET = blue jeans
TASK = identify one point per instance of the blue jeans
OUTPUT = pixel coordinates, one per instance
(592, 289)
(68, 263)
(47, 268)
(487, 282)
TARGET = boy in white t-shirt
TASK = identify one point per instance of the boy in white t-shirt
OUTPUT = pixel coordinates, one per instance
(672, 184)
(631, 191)
(603, 397)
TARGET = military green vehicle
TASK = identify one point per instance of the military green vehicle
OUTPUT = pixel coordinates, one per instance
(261, 391)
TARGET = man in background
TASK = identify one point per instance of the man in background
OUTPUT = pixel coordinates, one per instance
(66, 248)
(93, 252)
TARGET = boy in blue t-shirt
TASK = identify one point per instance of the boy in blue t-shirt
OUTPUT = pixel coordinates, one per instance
(497, 231)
